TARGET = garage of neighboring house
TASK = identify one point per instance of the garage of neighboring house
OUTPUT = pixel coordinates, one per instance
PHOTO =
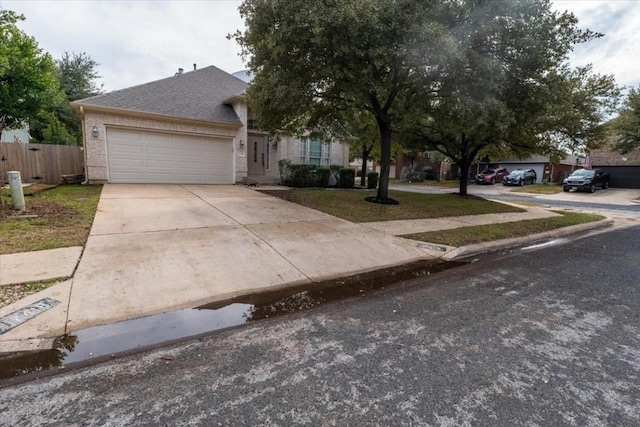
(622, 176)
(624, 168)
(142, 156)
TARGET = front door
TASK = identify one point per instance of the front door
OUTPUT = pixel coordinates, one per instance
(256, 155)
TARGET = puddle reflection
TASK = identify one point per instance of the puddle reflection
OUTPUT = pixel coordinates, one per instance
(130, 334)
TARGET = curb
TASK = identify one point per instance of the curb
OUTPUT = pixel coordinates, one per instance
(478, 248)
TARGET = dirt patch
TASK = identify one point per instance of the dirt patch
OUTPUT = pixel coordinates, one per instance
(12, 293)
(41, 209)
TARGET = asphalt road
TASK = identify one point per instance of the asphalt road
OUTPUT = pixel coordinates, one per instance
(496, 192)
(585, 205)
(547, 337)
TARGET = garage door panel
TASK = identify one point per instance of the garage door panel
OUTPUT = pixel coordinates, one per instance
(118, 148)
(161, 164)
(162, 151)
(127, 163)
(123, 135)
(158, 138)
(141, 156)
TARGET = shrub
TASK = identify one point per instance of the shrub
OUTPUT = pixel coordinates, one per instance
(283, 168)
(347, 178)
(323, 174)
(372, 180)
(412, 174)
(334, 181)
(302, 176)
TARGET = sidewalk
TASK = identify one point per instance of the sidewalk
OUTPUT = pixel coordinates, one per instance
(235, 260)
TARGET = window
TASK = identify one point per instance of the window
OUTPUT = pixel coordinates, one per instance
(315, 152)
(252, 124)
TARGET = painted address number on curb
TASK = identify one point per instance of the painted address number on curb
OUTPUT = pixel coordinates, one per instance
(18, 317)
(433, 247)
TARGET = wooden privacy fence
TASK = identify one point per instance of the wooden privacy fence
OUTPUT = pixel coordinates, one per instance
(42, 163)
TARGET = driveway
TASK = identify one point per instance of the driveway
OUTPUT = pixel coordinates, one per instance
(156, 248)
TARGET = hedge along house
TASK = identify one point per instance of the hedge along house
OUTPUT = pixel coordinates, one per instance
(191, 128)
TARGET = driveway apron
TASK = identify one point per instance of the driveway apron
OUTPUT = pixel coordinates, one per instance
(156, 248)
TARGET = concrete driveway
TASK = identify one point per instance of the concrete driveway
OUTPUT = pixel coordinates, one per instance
(156, 248)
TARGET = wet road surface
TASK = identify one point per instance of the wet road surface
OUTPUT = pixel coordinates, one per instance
(542, 337)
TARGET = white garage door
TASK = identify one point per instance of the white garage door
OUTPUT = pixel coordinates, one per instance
(135, 156)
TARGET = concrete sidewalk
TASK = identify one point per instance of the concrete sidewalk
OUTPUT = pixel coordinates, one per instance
(154, 249)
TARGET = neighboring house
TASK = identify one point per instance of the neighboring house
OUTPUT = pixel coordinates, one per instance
(191, 128)
(624, 168)
(20, 136)
(545, 170)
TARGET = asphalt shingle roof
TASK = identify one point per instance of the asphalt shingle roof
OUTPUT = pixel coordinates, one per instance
(193, 94)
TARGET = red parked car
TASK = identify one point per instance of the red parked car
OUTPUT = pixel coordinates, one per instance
(491, 176)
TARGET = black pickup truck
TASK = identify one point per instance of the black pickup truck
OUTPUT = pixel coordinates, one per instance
(586, 180)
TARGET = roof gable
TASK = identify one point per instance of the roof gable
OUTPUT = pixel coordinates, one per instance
(198, 95)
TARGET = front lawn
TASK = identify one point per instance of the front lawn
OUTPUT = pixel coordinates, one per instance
(539, 189)
(430, 183)
(486, 233)
(63, 218)
(350, 204)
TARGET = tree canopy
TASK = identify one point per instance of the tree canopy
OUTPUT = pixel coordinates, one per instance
(508, 89)
(463, 77)
(28, 84)
(314, 59)
(627, 124)
(77, 76)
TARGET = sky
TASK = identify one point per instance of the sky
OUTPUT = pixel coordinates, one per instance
(140, 41)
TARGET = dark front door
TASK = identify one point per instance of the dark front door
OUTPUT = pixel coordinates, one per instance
(256, 155)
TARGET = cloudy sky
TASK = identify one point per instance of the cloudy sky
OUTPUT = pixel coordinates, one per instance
(140, 41)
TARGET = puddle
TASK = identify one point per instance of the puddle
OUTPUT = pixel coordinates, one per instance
(101, 341)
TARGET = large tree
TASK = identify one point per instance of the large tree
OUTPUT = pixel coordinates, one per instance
(78, 75)
(627, 124)
(28, 84)
(78, 78)
(507, 87)
(315, 59)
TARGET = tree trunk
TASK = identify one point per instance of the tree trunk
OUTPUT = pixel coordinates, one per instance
(464, 177)
(363, 171)
(385, 161)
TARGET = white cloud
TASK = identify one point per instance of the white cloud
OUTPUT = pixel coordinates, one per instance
(141, 41)
(136, 41)
(618, 51)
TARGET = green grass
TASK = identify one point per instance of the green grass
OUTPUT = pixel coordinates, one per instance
(539, 189)
(64, 218)
(428, 183)
(487, 233)
(350, 204)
